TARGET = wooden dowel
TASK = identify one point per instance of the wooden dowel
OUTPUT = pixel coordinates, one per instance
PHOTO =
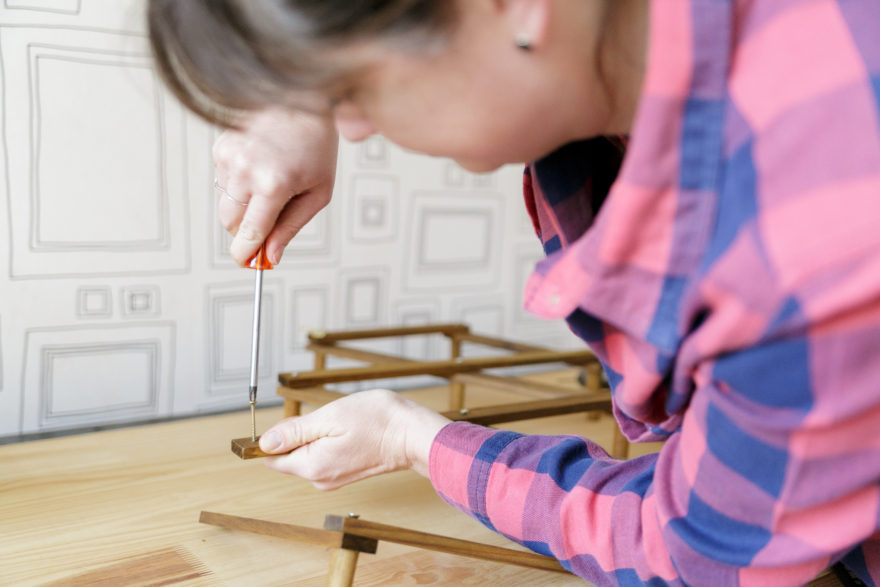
(489, 415)
(592, 383)
(593, 377)
(456, 388)
(328, 538)
(436, 368)
(365, 529)
(343, 564)
(292, 408)
(321, 336)
(619, 445)
(293, 405)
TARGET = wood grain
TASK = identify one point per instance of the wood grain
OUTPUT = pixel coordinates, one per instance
(245, 448)
(484, 379)
(170, 566)
(498, 343)
(427, 568)
(528, 410)
(436, 368)
(321, 537)
(340, 335)
(396, 534)
(343, 564)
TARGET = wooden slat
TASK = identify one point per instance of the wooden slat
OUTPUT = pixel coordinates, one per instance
(355, 354)
(310, 395)
(498, 343)
(366, 529)
(321, 537)
(489, 415)
(515, 384)
(245, 448)
(502, 343)
(491, 381)
(321, 336)
(436, 368)
(826, 578)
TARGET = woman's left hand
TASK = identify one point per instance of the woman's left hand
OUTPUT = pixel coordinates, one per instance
(358, 436)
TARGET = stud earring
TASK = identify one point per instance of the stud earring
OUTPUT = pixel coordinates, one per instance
(523, 41)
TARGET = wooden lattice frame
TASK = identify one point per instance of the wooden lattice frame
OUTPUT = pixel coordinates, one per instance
(309, 386)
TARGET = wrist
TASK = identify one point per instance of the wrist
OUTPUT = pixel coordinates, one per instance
(423, 425)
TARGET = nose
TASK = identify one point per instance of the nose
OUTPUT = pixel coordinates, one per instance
(351, 124)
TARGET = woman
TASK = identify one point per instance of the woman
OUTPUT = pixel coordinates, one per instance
(729, 279)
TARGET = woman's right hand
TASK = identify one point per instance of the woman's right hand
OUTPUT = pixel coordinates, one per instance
(277, 155)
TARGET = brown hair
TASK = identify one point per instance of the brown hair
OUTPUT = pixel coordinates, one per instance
(222, 58)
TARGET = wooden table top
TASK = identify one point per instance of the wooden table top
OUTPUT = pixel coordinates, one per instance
(122, 504)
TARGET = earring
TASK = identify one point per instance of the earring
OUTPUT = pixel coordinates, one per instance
(523, 41)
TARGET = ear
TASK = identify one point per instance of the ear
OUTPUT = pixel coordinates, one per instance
(528, 20)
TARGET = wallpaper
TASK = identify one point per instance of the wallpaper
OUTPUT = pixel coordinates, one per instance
(118, 300)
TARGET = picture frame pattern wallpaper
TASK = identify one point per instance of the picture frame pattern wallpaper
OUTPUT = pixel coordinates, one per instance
(118, 300)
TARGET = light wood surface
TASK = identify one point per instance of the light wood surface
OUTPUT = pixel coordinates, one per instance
(87, 503)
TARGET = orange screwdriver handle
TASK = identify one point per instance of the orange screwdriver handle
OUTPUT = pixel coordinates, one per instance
(261, 260)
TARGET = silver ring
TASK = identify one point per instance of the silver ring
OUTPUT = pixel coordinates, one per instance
(217, 186)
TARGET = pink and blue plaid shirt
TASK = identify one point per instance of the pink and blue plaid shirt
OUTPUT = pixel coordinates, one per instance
(730, 285)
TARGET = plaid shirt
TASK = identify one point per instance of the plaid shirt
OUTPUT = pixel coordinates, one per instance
(730, 285)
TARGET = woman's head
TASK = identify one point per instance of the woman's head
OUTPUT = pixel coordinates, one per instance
(442, 77)
(224, 57)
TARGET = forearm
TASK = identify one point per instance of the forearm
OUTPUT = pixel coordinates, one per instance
(562, 496)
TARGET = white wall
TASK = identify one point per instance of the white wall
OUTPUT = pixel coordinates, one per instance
(118, 301)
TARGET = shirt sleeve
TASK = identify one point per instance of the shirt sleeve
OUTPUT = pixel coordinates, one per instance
(771, 478)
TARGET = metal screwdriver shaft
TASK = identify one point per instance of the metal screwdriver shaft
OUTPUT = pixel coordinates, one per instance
(260, 262)
(255, 351)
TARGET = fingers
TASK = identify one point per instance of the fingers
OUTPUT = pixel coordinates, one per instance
(318, 462)
(278, 154)
(295, 214)
(291, 433)
(264, 207)
(309, 449)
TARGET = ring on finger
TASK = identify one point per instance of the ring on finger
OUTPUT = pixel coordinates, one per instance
(227, 194)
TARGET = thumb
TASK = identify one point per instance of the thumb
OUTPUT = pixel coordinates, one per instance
(288, 435)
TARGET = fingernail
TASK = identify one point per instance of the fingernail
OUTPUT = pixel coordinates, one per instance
(271, 441)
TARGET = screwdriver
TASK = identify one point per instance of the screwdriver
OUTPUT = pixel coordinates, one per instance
(259, 263)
